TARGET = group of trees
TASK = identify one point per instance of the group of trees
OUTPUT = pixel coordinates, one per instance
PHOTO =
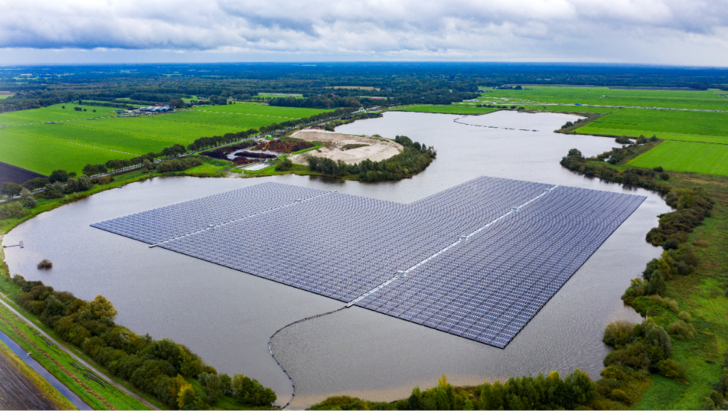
(159, 368)
(412, 160)
(633, 176)
(178, 164)
(542, 392)
(325, 101)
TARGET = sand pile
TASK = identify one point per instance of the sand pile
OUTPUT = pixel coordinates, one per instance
(377, 149)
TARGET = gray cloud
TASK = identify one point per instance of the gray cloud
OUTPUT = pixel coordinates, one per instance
(632, 31)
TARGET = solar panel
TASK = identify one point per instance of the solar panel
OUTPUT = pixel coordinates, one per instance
(478, 260)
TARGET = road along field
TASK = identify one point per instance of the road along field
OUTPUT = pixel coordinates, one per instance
(685, 156)
(77, 138)
(682, 99)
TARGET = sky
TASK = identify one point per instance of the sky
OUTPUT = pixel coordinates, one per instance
(662, 32)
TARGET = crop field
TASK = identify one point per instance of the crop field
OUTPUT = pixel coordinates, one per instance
(448, 109)
(70, 145)
(707, 100)
(665, 124)
(686, 156)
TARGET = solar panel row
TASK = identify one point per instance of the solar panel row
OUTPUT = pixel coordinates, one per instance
(485, 288)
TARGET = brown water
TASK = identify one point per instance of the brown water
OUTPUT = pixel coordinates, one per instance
(227, 316)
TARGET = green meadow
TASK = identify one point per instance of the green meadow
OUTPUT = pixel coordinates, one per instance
(707, 100)
(665, 124)
(448, 109)
(704, 158)
(77, 138)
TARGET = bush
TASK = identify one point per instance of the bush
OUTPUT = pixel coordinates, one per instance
(681, 330)
(664, 176)
(623, 140)
(618, 334)
(45, 264)
(12, 210)
(671, 369)
(659, 169)
(284, 165)
(684, 316)
(30, 202)
(671, 244)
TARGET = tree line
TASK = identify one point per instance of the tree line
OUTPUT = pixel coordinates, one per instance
(156, 367)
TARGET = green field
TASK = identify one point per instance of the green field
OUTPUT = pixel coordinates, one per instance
(572, 109)
(448, 109)
(707, 100)
(54, 113)
(70, 145)
(665, 124)
(2, 96)
(686, 156)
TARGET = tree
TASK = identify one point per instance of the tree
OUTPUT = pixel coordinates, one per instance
(102, 309)
(30, 202)
(11, 189)
(212, 385)
(58, 175)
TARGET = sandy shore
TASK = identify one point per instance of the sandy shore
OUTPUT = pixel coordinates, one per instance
(377, 149)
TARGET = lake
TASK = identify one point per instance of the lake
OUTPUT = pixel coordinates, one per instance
(227, 316)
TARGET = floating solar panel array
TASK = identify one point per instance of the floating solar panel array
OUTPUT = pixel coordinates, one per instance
(478, 260)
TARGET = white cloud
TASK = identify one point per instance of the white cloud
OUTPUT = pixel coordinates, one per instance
(632, 31)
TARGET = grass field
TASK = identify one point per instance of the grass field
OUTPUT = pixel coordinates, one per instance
(666, 125)
(448, 109)
(708, 99)
(70, 145)
(2, 96)
(572, 109)
(686, 156)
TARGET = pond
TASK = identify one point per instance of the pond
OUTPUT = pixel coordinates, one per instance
(227, 316)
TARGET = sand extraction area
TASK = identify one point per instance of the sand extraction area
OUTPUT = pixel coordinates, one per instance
(377, 149)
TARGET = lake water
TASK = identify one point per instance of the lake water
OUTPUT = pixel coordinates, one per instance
(227, 316)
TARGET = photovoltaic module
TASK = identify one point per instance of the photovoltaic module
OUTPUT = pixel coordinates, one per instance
(478, 260)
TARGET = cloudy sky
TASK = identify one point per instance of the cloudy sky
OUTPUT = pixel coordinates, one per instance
(671, 32)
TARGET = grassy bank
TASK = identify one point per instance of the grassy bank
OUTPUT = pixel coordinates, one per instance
(61, 402)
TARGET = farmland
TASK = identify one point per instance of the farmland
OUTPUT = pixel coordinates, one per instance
(78, 138)
(449, 109)
(686, 156)
(704, 100)
(666, 125)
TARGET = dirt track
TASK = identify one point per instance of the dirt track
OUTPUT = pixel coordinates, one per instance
(376, 150)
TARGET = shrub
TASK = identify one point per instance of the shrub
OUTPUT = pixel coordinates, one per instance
(684, 316)
(659, 169)
(681, 330)
(671, 369)
(623, 140)
(668, 303)
(618, 333)
(664, 176)
(284, 165)
(671, 244)
(12, 210)
(45, 264)
(30, 202)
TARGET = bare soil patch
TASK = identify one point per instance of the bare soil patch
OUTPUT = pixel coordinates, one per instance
(370, 148)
